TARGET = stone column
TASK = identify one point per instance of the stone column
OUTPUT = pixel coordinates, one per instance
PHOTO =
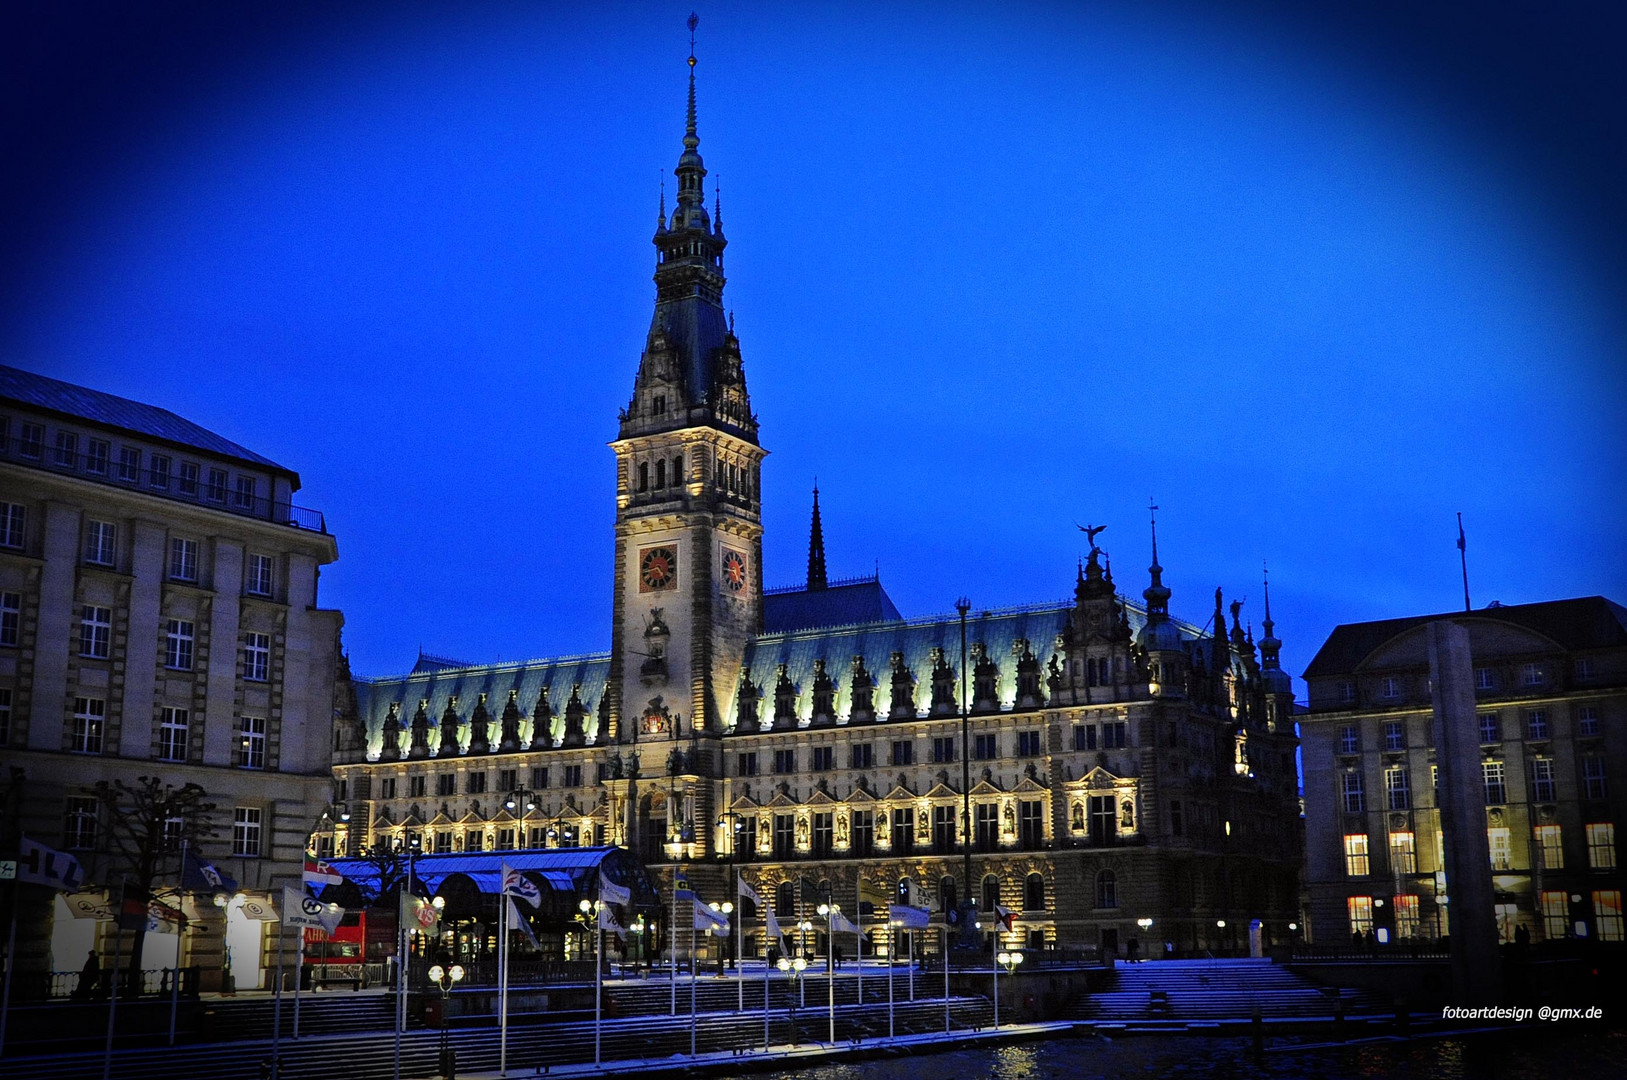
(1477, 970)
(58, 623)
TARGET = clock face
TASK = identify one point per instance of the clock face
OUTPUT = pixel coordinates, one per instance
(734, 571)
(657, 569)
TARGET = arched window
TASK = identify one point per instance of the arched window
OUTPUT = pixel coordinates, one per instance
(991, 892)
(903, 891)
(1107, 889)
(785, 901)
(747, 908)
(1034, 893)
(678, 469)
(644, 476)
(946, 893)
(661, 473)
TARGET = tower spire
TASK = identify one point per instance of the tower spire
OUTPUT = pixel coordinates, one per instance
(1156, 595)
(1270, 646)
(816, 547)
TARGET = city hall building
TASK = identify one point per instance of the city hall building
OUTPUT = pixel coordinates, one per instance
(1102, 761)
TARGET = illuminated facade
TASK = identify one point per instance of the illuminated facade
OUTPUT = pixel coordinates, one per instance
(1551, 699)
(1123, 765)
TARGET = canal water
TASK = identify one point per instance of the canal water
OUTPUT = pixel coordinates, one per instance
(1535, 1054)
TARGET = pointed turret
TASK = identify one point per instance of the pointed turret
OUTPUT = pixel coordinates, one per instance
(1277, 681)
(816, 548)
(1159, 634)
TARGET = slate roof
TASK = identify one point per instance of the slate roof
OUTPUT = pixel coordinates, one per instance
(566, 870)
(149, 421)
(842, 604)
(696, 331)
(1589, 622)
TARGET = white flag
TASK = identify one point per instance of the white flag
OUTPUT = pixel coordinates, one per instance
(516, 883)
(258, 910)
(302, 910)
(520, 922)
(707, 919)
(774, 930)
(40, 865)
(910, 918)
(749, 893)
(88, 905)
(611, 893)
(841, 924)
(607, 921)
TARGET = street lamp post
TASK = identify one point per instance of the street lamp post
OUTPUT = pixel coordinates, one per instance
(446, 978)
(726, 909)
(724, 821)
(830, 911)
(803, 926)
(523, 801)
(1010, 960)
(793, 967)
(1146, 925)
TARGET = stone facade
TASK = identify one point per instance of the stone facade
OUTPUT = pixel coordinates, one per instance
(1550, 700)
(160, 596)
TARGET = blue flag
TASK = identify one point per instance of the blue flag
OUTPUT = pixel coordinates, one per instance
(199, 876)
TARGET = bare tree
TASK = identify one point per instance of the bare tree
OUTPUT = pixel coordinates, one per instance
(150, 822)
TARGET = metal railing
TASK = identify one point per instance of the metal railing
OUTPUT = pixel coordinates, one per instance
(65, 985)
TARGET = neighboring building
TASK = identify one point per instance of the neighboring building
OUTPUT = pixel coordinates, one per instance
(1124, 765)
(1551, 695)
(158, 617)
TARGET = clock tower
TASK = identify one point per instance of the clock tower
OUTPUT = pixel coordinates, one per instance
(689, 583)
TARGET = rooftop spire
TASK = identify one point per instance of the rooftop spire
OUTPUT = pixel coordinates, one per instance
(1270, 646)
(816, 547)
(1156, 595)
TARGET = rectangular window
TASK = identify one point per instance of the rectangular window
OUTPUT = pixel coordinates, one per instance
(66, 451)
(1390, 687)
(95, 631)
(13, 516)
(178, 642)
(387, 786)
(1484, 679)
(864, 833)
(1593, 781)
(1177, 826)
(1115, 735)
(1355, 796)
(475, 840)
(824, 832)
(943, 749)
(158, 472)
(1550, 847)
(943, 829)
(538, 837)
(5, 434)
(99, 539)
(183, 559)
(1531, 675)
(1104, 822)
(11, 619)
(30, 440)
(1542, 779)
(1084, 737)
(79, 828)
(1361, 914)
(508, 779)
(1395, 735)
(785, 761)
(1536, 724)
(862, 756)
(1607, 910)
(1555, 916)
(747, 764)
(1031, 824)
(1028, 744)
(1356, 858)
(5, 715)
(415, 786)
(251, 743)
(1403, 853)
(243, 497)
(903, 753)
(476, 783)
(1501, 844)
(89, 719)
(97, 455)
(1397, 787)
(1347, 692)
(172, 734)
(215, 490)
(257, 657)
(824, 759)
(1491, 779)
(1601, 845)
(785, 844)
(186, 480)
(446, 784)
(1584, 668)
(246, 832)
(986, 826)
(505, 839)
(1406, 916)
(1587, 721)
(1349, 739)
(573, 776)
(129, 464)
(258, 582)
(985, 747)
(904, 831)
(1490, 729)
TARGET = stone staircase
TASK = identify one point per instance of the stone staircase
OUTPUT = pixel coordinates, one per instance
(1186, 991)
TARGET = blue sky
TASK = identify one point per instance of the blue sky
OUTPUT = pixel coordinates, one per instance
(1314, 280)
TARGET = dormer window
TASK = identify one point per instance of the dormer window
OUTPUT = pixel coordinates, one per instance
(658, 406)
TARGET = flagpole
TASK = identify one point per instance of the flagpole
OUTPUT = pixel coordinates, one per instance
(911, 974)
(11, 962)
(598, 988)
(113, 996)
(946, 978)
(180, 940)
(276, 1007)
(299, 971)
(502, 976)
(858, 938)
(994, 943)
(692, 985)
(672, 943)
(739, 980)
(892, 948)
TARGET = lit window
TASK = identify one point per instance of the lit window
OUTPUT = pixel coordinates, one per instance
(1355, 797)
(1406, 916)
(1403, 853)
(89, 717)
(1502, 855)
(99, 542)
(1601, 845)
(1361, 914)
(183, 559)
(257, 657)
(1550, 846)
(1491, 778)
(178, 642)
(1356, 859)
(1349, 739)
(1555, 915)
(246, 832)
(251, 743)
(95, 631)
(1607, 910)
(12, 518)
(258, 582)
(172, 735)
(1397, 787)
